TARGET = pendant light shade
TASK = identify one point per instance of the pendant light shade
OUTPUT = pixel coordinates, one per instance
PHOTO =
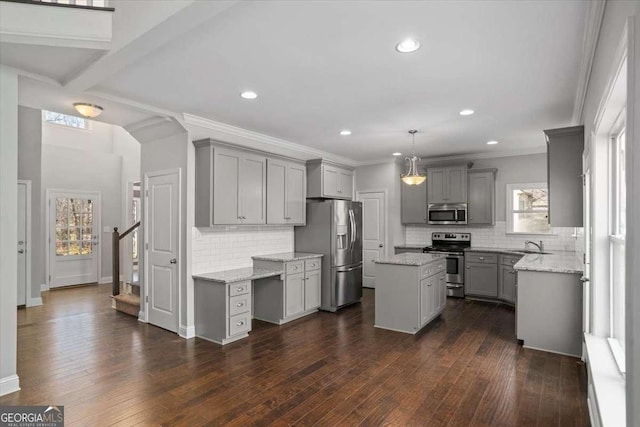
(413, 177)
(89, 111)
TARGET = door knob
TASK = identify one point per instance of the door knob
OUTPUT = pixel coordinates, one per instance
(380, 245)
(173, 261)
(20, 251)
(584, 279)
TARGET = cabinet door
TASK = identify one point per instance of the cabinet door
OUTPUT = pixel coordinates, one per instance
(507, 284)
(481, 198)
(276, 191)
(330, 179)
(426, 300)
(312, 290)
(436, 181)
(253, 190)
(442, 289)
(413, 203)
(296, 194)
(294, 294)
(345, 184)
(456, 186)
(481, 280)
(226, 186)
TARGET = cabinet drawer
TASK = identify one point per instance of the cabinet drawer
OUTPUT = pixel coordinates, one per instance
(239, 323)
(295, 267)
(509, 259)
(239, 304)
(481, 257)
(312, 264)
(431, 269)
(239, 288)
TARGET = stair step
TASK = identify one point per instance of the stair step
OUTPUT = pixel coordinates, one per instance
(135, 283)
(127, 303)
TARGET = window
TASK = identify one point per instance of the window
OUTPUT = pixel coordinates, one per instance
(528, 208)
(617, 224)
(74, 220)
(65, 120)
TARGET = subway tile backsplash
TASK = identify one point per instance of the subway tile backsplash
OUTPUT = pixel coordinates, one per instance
(226, 249)
(564, 238)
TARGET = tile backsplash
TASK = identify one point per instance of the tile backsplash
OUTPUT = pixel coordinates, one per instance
(225, 249)
(563, 239)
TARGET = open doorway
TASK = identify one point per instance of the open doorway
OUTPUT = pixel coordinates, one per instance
(131, 253)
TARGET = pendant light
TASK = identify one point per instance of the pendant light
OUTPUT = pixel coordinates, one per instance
(412, 177)
(89, 111)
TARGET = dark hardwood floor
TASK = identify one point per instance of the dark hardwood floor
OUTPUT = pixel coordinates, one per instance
(326, 369)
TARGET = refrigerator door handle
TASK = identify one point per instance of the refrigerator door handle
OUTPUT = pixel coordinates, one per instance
(352, 222)
(349, 269)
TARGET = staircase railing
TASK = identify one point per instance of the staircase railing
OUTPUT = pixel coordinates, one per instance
(116, 236)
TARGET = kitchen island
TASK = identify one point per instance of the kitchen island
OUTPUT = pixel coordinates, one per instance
(549, 302)
(410, 291)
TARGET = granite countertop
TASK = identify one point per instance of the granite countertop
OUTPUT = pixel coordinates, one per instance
(238, 275)
(409, 258)
(506, 251)
(557, 262)
(286, 256)
(408, 246)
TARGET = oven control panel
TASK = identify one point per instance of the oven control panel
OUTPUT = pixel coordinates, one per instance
(457, 237)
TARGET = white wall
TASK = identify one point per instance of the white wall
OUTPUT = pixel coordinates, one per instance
(9, 381)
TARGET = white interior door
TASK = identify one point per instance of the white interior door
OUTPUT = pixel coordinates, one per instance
(74, 230)
(24, 251)
(163, 238)
(373, 233)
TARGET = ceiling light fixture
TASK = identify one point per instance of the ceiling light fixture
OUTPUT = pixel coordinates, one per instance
(466, 112)
(345, 132)
(249, 94)
(408, 46)
(397, 154)
(89, 111)
(492, 142)
(412, 176)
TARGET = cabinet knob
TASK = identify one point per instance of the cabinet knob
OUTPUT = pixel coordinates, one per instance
(240, 323)
(20, 251)
(481, 258)
(468, 267)
(240, 304)
(240, 289)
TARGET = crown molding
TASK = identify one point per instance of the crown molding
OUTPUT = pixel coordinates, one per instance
(259, 141)
(594, 14)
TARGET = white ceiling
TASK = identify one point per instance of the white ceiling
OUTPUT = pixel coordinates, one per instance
(319, 67)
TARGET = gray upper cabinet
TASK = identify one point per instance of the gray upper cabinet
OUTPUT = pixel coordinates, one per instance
(231, 185)
(564, 166)
(329, 180)
(447, 185)
(413, 203)
(482, 191)
(286, 192)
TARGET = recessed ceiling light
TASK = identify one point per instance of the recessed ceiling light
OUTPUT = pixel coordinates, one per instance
(408, 46)
(397, 154)
(466, 112)
(492, 142)
(249, 94)
(345, 132)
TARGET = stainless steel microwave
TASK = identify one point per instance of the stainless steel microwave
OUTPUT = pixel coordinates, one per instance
(447, 214)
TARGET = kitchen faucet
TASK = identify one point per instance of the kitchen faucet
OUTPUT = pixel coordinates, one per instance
(539, 246)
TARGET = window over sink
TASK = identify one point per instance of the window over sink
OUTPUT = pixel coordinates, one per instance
(528, 208)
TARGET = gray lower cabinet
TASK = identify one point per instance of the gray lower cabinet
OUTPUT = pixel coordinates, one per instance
(481, 274)
(223, 310)
(296, 296)
(408, 297)
(329, 180)
(447, 185)
(481, 196)
(286, 192)
(564, 169)
(508, 278)
(413, 200)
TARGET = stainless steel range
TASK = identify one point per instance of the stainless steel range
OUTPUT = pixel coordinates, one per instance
(452, 245)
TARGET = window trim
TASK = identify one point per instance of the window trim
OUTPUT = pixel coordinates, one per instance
(89, 123)
(510, 210)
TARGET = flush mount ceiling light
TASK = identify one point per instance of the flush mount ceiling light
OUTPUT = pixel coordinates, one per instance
(397, 154)
(467, 112)
(412, 177)
(492, 142)
(247, 94)
(345, 132)
(408, 46)
(88, 110)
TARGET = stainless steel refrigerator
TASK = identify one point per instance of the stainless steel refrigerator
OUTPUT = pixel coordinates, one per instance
(334, 229)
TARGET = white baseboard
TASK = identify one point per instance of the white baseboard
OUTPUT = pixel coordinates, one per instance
(44, 287)
(34, 302)
(9, 384)
(106, 279)
(187, 331)
(141, 317)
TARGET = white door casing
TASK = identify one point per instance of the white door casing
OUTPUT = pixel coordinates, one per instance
(162, 234)
(24, 242)
(73, 230)
(374, 219)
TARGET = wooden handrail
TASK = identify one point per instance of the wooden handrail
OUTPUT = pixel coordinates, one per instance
(115, 262)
